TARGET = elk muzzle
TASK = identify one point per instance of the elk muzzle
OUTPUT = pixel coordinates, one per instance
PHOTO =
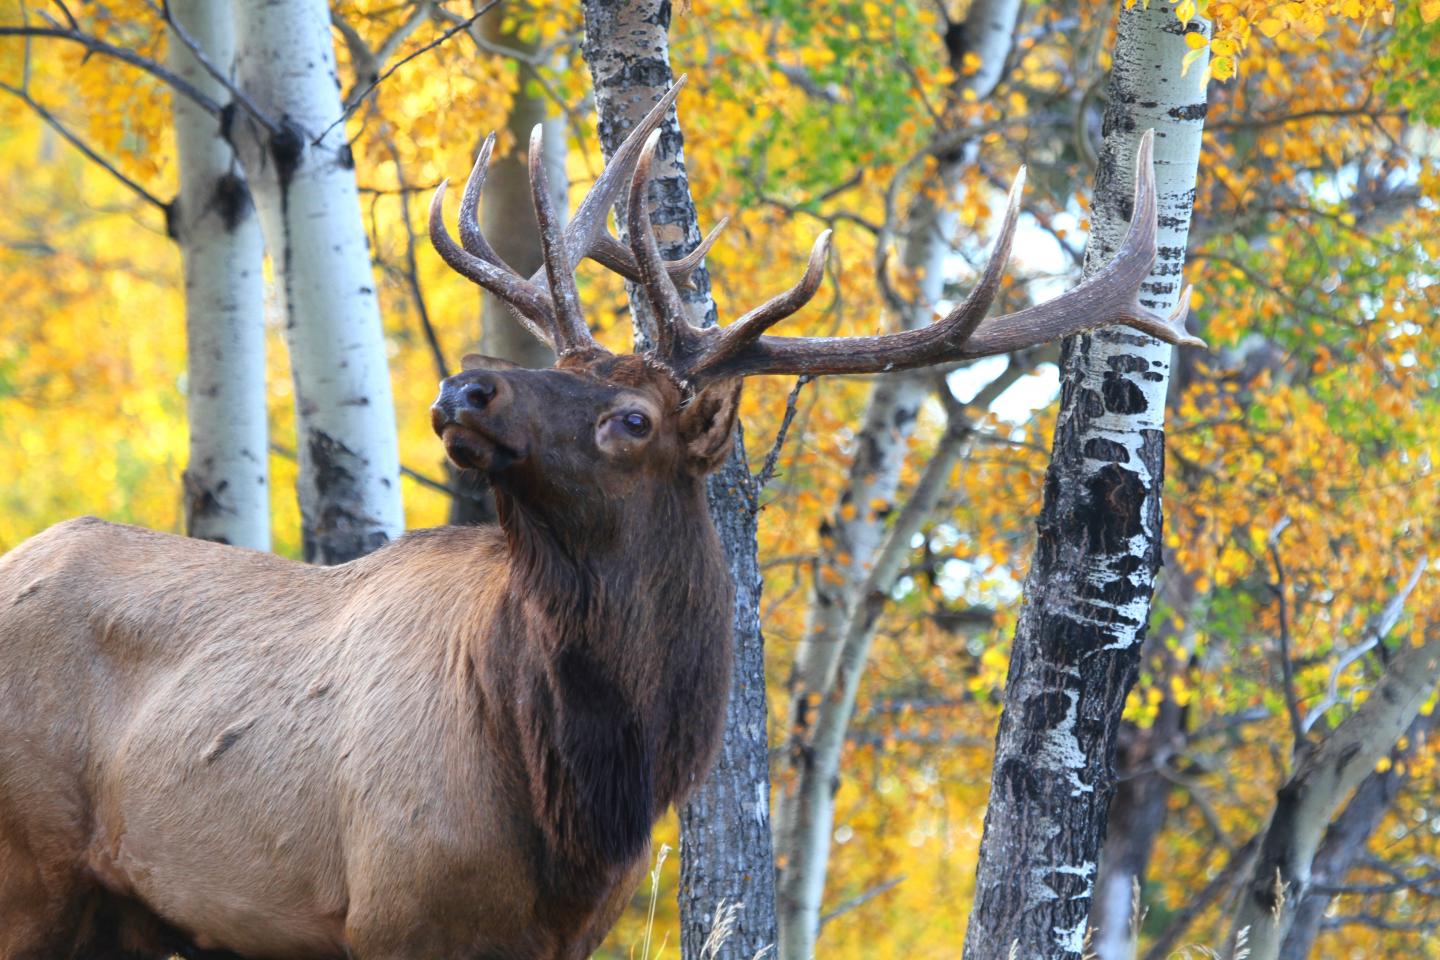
(470, 418)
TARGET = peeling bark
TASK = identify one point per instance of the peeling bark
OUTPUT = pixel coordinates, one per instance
(349, 485)
(725, 840)
(1087, 598)
(843, 608)
(227, 481)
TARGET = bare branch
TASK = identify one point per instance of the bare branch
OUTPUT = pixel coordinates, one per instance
(359, 98)
(767, 470)
(1287, 666)
(85, 148)
(1375, 631)
(96, 45)
(862, 898)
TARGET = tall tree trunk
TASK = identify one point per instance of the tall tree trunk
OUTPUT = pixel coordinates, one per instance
(1324, 777)
(227, 482)
(832, 655)
(725, 841)
(304, 185)
(1141, 804)
(1077, 645)
(508, 216)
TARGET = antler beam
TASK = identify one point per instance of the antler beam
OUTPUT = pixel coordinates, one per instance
(1109, 297)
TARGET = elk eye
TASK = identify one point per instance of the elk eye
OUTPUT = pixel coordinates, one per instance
(636, 424)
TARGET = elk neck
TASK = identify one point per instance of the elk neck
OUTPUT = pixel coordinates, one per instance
(626, 646)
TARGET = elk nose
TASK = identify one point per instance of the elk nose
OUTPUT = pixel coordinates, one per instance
(477, 395)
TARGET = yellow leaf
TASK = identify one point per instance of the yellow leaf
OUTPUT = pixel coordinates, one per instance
(1271, 27)
(1190, 59)
(1194, 40)
(1430, 10)
(1223, 47)
(1223, 68)
(1185, 11)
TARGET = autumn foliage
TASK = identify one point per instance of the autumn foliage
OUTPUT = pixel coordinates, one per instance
(1302, 490)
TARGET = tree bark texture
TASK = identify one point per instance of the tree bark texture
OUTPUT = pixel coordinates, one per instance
(1087, 598)
(1345, 840)
(227, 482)
(844, 608)
(507, 216)
(725, 838)
(1143, 761)
(304, 185)
(1324, 777)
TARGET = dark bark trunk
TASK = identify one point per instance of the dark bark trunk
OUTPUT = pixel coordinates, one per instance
(1077, 645)
(725, 841)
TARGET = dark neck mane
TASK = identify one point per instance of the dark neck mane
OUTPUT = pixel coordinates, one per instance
(629, 651)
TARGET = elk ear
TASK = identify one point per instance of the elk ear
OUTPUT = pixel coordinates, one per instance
(707, 424)
(478, 361)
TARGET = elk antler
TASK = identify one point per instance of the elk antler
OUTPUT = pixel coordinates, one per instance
(546, 302)
(1109, 297)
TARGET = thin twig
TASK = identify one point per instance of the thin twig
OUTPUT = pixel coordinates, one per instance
(412, 271)
(767, 470)
(358, 99)
(96, 45)
(1287, 667)
(84, 148)
(420, 478)
(239, 96)
(1375, 631)
(862, 898)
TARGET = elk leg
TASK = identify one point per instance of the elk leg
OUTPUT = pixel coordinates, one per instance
(38, 908)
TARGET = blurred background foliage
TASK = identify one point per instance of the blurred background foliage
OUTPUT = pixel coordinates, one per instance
(1302, 445)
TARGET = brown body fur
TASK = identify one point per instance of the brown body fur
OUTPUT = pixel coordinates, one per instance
(454, 747)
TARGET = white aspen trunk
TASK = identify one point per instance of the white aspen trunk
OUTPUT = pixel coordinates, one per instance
(227, 482)
(1325, 777)
(850, 539)
(349, 486)
(1087, 598)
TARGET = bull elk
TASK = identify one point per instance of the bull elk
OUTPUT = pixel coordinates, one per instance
(456, 746)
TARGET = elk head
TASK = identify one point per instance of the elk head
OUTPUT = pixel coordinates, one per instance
(598, 426)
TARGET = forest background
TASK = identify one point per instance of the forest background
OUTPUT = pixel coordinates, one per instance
(1300, 491)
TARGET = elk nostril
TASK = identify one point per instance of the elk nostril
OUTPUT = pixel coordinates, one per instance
(477, 395)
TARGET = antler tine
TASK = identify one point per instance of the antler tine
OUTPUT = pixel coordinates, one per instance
(571, 332)
(1110, 296)
(754, 323)
(963, 320)
(672, 325)
(470, 236)
(529, 303)
(615, 256)
(588, 224)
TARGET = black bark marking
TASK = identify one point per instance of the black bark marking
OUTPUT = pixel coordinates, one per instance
(231, 201)
(287, 146)
(1101, 448)
(1122, 395)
